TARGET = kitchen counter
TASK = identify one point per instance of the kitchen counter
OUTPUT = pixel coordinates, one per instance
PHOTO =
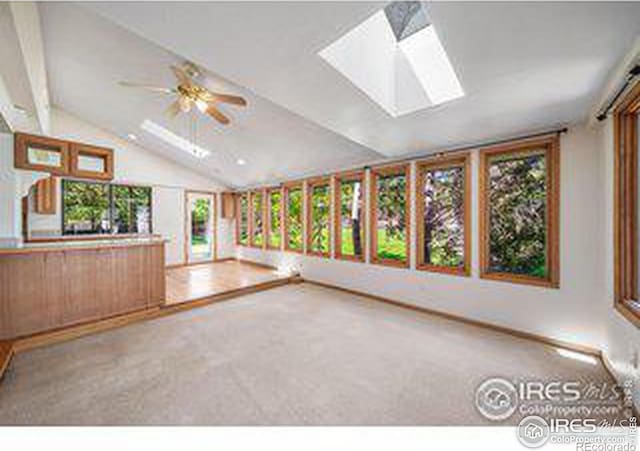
(54, 284)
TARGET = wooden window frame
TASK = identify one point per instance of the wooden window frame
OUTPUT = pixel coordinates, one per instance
(625, 207)
(268, 214)
(252, 214)
(285, 198)
(374, 173)
(311, 184)
(337, 214)
(446, 162)
(239, 218)
(551, 146)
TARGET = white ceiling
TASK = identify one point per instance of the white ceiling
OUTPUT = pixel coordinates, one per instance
(86, 57)
(524, 67)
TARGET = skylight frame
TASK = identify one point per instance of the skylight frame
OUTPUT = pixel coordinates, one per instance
(174, 140)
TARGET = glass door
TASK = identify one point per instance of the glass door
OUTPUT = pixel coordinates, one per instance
(200, 227)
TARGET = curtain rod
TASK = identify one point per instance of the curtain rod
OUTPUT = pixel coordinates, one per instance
(633, 73)
(410, 158)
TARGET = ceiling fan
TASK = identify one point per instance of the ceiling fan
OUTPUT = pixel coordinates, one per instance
(190, 93)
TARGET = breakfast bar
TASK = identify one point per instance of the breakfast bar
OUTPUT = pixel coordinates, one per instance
(52, 285)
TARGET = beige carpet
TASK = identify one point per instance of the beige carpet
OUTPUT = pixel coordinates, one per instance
(295, 355)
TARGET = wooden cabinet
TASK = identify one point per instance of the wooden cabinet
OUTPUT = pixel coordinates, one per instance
(60, 157)
(51, 288)
(228, 205)
(46, 197)
(39, 153)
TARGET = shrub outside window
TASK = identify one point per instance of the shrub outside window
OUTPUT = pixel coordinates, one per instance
(293, 217)
(318, 217)
(349, 208)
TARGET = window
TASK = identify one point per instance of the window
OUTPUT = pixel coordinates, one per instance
(97, 208)
(390, 215)
(318, 212)
(625, 126)
(519, 205)
(242, 223)
(293, 217)
(349, 208)
(274, 213)
(443, 205)
(257, 219)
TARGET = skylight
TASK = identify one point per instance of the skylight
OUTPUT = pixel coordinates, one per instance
(397, 59)
(173, 139)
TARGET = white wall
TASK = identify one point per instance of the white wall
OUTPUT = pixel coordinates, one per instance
(622, 339)
(134, 164)
(572, 313)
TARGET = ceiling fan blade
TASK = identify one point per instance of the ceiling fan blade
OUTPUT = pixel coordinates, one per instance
(173, 109)
(181, 75)
(129, 84)
(217, 115)
(227, 98)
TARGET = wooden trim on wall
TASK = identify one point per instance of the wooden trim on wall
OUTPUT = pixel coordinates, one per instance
(401, 169)
(551, 146)
(287, 187)
(337, 217)
(446, 162)
(625, 209)
(311, 184)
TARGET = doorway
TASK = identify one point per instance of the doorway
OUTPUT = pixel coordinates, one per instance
(200, 227)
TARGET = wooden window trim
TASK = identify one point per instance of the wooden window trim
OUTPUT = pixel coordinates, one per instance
(337, 216)
(551, 146)
(625, 210)
(373, 203)
(285, 198)
(239, 218)
(268, 229)
(311, 184)
(452, 161)
(77, 150)
(251, 217)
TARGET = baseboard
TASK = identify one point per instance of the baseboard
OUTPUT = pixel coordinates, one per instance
(206, 262)
(258, 264)
(453, 317)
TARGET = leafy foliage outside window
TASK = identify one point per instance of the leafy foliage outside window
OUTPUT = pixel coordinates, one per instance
(294, 218)
(95, 208)
(443, 220)
(243, 229)
(517, 214)
(391, 220)
(320, 201)
(200, 227)
(257, 215)
(351, 227)
(275, 206)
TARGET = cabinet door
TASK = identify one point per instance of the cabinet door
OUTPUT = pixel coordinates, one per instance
(91, 162)
(38, 153)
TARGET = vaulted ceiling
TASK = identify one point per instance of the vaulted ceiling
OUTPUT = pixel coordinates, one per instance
(523, 66)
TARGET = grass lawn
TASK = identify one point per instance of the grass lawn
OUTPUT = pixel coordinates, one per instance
(391, 247)
(346, 242)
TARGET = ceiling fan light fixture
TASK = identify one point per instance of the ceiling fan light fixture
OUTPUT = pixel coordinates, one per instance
(202, 105)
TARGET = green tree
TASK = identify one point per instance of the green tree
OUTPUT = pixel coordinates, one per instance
(391, 202)
(320, 218)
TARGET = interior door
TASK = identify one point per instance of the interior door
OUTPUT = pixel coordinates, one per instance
(200, 234)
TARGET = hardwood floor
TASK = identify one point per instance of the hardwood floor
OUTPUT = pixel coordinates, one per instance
(188, 283)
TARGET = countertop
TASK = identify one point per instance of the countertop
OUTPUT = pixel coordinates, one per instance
(75, 244)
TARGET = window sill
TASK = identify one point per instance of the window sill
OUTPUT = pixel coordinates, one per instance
(445, 270)
(519, 279)
(350, 258)
(630, 310)
(391, 263)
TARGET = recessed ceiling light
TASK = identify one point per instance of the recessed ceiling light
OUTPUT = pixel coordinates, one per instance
(241, 162)
(132, 137)
(173, 139)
